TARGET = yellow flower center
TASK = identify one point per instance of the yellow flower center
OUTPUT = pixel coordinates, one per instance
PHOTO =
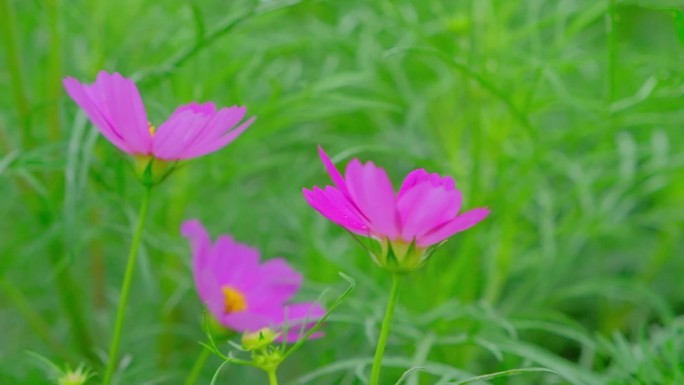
(151, 128)
(233, 300)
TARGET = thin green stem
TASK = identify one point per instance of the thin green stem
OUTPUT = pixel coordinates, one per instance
(197, 367)
(54, 84)
(272, 378)
(384, 331)
(125, 288)
(14, 69)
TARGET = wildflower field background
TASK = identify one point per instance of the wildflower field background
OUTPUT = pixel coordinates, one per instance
(565, 118)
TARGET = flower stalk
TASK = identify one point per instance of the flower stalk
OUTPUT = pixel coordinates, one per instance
(384, 330)
(272, 378)
(126, 286)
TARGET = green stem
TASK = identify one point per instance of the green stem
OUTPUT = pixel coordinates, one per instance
(611, 54)
(272, 378)
(54, 84)
(125, 288)
(197, 367)
(14, 69)
(384, 331)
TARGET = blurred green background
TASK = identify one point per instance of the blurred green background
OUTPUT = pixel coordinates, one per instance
(564, 117)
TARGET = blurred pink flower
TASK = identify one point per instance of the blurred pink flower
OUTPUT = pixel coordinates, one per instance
(114, 106)
(243, 294)
(408, 224)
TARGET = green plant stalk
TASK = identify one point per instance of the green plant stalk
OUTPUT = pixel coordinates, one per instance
(125, 288)
(611, 54)
(14, 69)
(54, 84)
(272, 378)
(167, 282)
(197, 366)
(384, 331)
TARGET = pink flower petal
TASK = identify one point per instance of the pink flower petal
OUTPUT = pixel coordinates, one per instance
(332, 204)
(201, 252)
(247, 321)
(458, 224)
(207, 146)
(184, 126)
(234, 263)
(371, 191)
(425, 207)
(412, 179)
(272, 284)
(208, 288)
(205, 109)
(293, 317)
(335, 175)
(120, 98)
(80, 94)
(196, 129)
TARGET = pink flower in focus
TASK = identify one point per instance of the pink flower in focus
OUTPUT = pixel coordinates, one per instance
(243, 294)
(408, 224)
(114, 106)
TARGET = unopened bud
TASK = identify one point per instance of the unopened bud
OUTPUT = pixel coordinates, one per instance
(259, 339)
(74, 377)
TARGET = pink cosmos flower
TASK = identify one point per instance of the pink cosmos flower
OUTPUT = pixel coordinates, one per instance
(114, 106)
(408, 224)
(243, 294)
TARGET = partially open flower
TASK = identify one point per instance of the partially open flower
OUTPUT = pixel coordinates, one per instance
(113, 104)
(408, 225)
(243, 294)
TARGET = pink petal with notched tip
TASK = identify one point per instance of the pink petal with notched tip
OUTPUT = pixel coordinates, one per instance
(121, 102)
(335, 175)
(335, 206)
(420, 175)
(174, 134)
(205, 109)
(207, 146)
(81, 95)
(372, 193)
(458, 224)
(424, 207)
(214, 130)
(412, 179)
(184, 125)
(198, 129)
(210, 119)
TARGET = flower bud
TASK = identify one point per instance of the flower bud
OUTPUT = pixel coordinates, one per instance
(259, 339)
(74, 377)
